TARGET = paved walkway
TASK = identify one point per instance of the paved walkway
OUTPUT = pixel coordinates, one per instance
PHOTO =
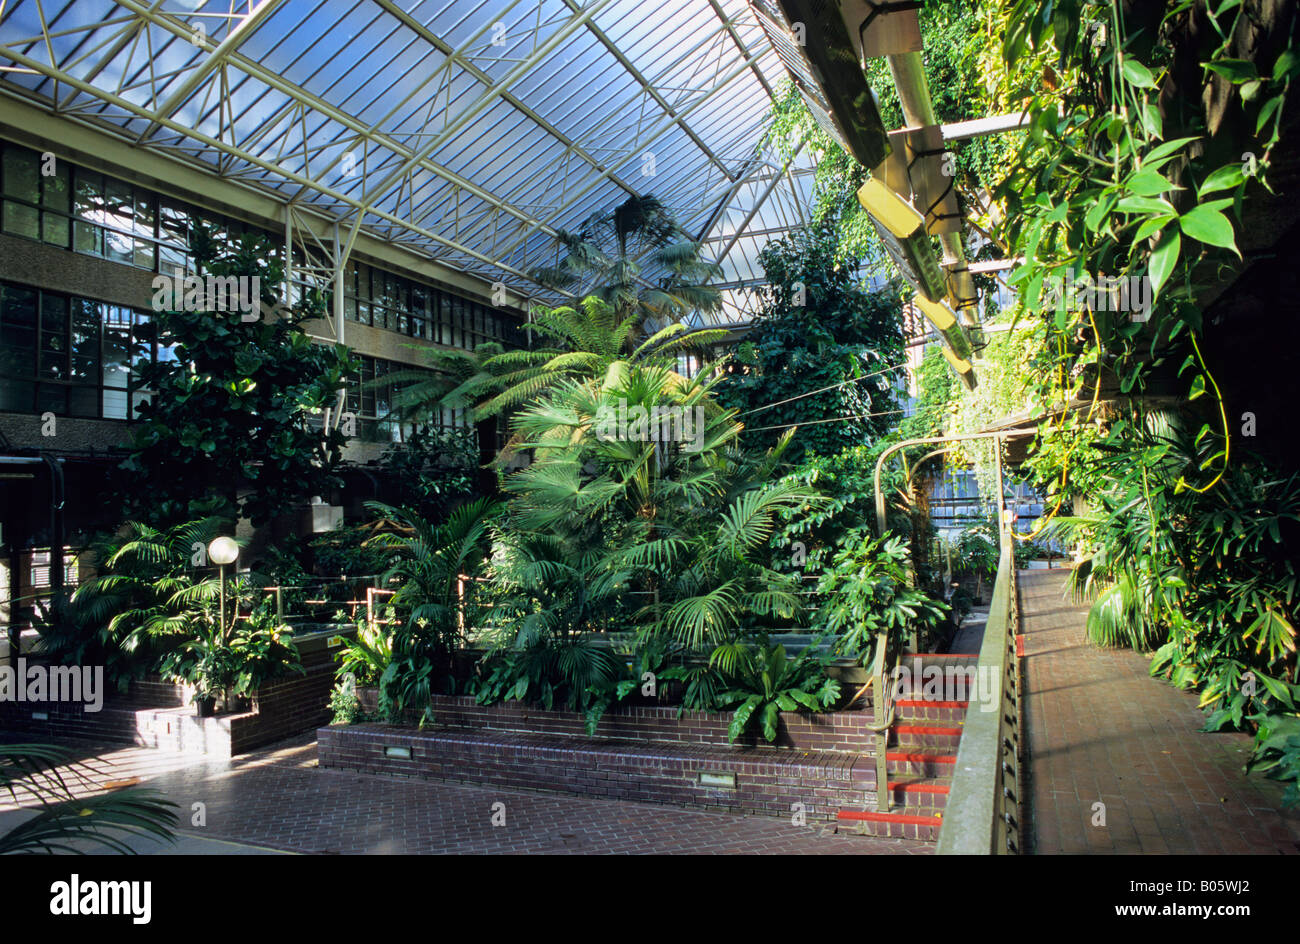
(279, 799)
(1100, 730)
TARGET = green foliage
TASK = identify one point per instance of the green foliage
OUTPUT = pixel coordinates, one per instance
(71, 825)
(236, 663)
(1277, 754)
(345, 704)
(977, 550)
(148, 593)
(597, 521)
(230, 417)
(831, 332)
(348, 551)
(433, 471)
(937, 398)
(608, 531)
(607, 254)
(761, 682)
(1238, 613)
(432, 602)
(953, 59)
(544, 671)
(366, 656)
(867, 590)
(1208, 574)
(581, 343)
(1123, 172)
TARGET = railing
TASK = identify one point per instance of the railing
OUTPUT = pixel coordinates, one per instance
(983, 812)
(882, 720)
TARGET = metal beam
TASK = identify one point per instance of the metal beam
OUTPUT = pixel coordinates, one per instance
(101, 149)
(447, 50)
(488, 97)
(662, 102)
(211, 142)
(315, 103)
(663, 129)
(246, 27)
(977, 127)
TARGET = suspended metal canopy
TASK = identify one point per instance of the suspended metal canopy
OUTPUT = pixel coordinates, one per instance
(466, 133)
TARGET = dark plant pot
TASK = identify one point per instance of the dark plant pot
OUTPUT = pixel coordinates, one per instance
(205, 706)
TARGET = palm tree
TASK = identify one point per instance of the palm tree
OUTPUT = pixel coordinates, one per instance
(107, 821)
(682, 528)
(428, 564)
(605, 256)
(452, 379)
(585, 344)
(151, 591)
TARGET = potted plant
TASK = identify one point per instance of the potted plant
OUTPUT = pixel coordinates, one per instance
(225, 671)
(205, 665)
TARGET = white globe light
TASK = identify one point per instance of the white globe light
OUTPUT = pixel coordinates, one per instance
(223, 550)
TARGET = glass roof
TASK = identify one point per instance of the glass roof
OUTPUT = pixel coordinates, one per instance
(466, 132)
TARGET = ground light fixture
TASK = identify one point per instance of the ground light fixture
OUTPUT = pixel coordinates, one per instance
(222, 551)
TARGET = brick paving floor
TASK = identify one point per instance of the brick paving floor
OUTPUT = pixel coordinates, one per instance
(279, 798)
(1101, 730)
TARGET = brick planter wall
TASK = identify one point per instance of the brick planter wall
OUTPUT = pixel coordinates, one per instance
(154, 713)
(639, 752)
(285, 707)
(844, 731)
(768, 781)
(114, 722)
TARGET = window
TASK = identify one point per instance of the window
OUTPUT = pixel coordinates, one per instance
(374, 297)
(72, 356)
(83, 210)
(370, 398)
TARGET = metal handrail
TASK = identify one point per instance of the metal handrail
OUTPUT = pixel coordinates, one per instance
(982, 816)
(882, 720)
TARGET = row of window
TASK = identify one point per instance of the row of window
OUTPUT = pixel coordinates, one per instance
(45, 198)
(371, 396)
(374, 297)
(58, 203)
(74, 356)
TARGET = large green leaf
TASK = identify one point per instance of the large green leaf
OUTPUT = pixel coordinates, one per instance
(1163, 259)
(1208, 225)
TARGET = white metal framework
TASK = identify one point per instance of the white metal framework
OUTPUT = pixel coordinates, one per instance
(467, 133)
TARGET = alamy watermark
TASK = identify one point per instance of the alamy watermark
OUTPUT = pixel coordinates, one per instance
(53, 683)
(219, 293)
(76, 896)
(659, 424)
(1131, 294)
(933, 682)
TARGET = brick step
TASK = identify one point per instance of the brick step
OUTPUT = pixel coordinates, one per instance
(911, 735)
(904, 825)
(921, 795)
(759, 780)
(925, 761)
(921, 710)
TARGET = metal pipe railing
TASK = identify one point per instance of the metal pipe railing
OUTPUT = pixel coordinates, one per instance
(983, 812)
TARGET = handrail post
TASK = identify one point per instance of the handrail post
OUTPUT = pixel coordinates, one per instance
(882, 724)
